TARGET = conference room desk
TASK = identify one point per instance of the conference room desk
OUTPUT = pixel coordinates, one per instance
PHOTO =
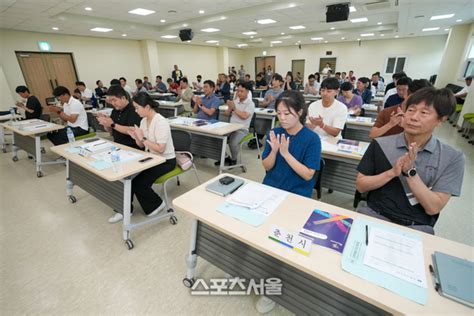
(112, 188)
(310, 98)
(5, 118)
(358, 128)
(92, 118)
(27, 137)
(371, 110)
(314, 284)
(160, 95)
(209, 142)
(264, 120)
(258, 93)
(340, 171)
(169, 108)
(377, 100)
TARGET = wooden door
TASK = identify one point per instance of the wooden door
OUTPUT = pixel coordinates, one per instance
(36, 75)
(297, 65)
(63, 72)
(259, 65)
(270, 61)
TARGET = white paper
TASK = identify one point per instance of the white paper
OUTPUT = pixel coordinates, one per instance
(124, 155)
(397, 255)
(214, 125)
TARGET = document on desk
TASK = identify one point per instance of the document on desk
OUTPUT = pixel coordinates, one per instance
(124, 155)
(213, 125)
(398, 255)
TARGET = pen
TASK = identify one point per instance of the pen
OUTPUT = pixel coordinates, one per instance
(437, 286)
(366, 235)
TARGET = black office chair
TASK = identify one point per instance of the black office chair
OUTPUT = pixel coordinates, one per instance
(359, 197)
(319, 176)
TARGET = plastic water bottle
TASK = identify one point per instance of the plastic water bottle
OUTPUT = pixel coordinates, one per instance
(13, 114)
(115, 158)
(70, 136)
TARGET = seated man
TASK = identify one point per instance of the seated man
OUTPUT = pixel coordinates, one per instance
(327, 116)
(207, 106)
(461, 95)
(391, 88)
(100, 91)
(86, 93)
(377, 85)
(160, 85)
(240, 110)
(172, 86)
(140, 87)
(197, 85)
(272, 94)
(123, 83)
(312, 86)
(410, 176)
(402, 92)
(32, 107)
(363, 90)
(223, 88)
(185, 94)
(389, 121)
(147, 84)
(72, 112)
(123, 117)
(260, 82)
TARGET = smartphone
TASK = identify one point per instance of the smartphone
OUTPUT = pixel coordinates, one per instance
(270, 111)
(145, 159)
(226, 180)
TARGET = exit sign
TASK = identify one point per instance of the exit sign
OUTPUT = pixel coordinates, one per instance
(44, 46)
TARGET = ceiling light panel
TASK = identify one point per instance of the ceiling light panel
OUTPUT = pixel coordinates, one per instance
(140, 11)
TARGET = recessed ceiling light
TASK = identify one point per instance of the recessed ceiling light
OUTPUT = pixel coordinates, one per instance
(382, 35)
(428, 29)
(333, 28)
(442, 17)
(299, 42)
(101, 29)
(325, 41)
(264, 53)
(162, 21)
(169, 36)
(141, 11)
(242, 45)
(358, 39)
(343, 38)
(317, 38)
(210, 30)
(396, 36)
(252, 36)
(185, 25)
(367, 34)
(446, 29)
(275, 42)
(282, 33)
(291, 5)
(359, 20)
(223, 18)
(459, 20)
(266, 21)
(55, 28)
(379, 23)
(212, 41)
(124, 35)
(352, 9)
(249, 33)
(297, 27)
(88, 8)
(201, 11)
(189, 41)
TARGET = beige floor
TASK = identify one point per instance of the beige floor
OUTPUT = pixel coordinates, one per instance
(60, 258)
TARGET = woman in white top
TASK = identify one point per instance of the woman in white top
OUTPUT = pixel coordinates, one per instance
(154, 134)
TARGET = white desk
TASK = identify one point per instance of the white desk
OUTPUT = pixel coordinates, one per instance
(311, 284)
(5, 118)
(160, 96)
(358, 128)
(26, 136)
(209, 143)
(311, 97)
(169, 108)
(264, 119)
(377, 100)
(113, 189)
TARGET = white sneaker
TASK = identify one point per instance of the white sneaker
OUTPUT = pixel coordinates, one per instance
(116, 218)
(158, 209)
(264, 305)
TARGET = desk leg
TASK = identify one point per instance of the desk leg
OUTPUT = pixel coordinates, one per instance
(175, 112)
(273, 122)
(39, 173)
(224, 147)
(14, 148)
(127, 200)
(191, 257)
(69, 186)
(2, 139)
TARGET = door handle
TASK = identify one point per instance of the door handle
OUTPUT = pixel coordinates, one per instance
(51, 83)
(56, 82)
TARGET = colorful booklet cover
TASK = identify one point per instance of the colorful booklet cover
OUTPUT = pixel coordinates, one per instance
(327, 229)
(348, 145)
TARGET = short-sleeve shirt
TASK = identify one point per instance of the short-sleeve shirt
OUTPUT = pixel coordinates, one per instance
(32, 103)
(260, 83)
(275, 94)
(393, 100)
(74, 106)
(334, 115)
(384, 117)
(159, 132)
(246, 106)
(305, 147)
(210, 102)
(355, 101)
(126, 117)
(86, 93)
(161, 87)
(366, 95)
(439, 166)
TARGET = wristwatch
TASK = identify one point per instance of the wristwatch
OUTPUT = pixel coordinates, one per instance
(410, 172)
(143, 139)
(112, 125)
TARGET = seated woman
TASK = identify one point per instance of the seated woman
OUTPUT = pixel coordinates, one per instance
(293, 151)
(154, 135)
(352, 101)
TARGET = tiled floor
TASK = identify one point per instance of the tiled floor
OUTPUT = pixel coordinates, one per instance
(62, 258)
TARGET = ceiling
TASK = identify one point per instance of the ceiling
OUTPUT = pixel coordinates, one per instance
(386, 19)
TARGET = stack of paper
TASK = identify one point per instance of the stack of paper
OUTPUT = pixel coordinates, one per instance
(124, 155)
(97, 146)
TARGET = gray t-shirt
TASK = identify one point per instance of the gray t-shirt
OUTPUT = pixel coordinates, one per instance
(275, 94)
(246, 106)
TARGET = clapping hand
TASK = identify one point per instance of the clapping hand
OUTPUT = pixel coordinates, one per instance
(284, 145)
(274, 141)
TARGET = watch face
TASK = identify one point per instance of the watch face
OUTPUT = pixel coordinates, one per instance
(412, 172)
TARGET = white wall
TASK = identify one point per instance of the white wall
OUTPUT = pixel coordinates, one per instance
(424, 55)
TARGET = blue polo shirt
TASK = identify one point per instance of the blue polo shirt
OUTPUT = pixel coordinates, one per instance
(305, 146)
(209, 102)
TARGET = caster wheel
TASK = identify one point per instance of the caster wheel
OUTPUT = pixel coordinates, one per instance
(4, 150)
(244, 170)
(188, 282)
(39, 174)
(15, 159)
(129, 244)
(72, 199)
(330, 191)
(43, 151)
(173, 220)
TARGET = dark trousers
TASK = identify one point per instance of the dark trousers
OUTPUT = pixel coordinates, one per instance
(143, 182)
(60, 137)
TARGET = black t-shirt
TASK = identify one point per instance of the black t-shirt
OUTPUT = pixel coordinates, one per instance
(390, 200)
(34, 104)
(391, 85)
(260, 83)
(126, 117)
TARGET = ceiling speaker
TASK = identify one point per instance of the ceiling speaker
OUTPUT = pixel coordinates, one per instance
(186, 35)
(337, 12)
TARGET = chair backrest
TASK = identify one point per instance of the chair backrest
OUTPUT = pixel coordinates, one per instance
(45, 117)
(50, 101)
(252, 122)
(181, 140)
